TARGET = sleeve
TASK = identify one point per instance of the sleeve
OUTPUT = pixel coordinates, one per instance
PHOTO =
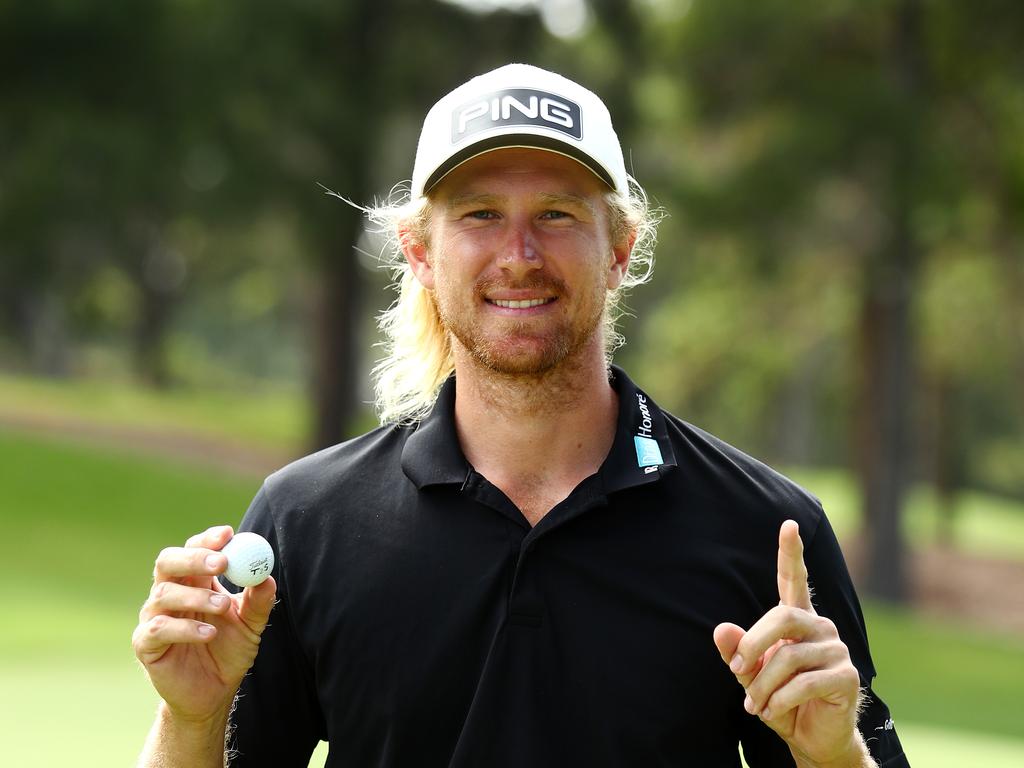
(834, 597)
(277, 719)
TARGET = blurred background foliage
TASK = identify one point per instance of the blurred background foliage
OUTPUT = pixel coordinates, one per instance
(838, 284)
(838, 280)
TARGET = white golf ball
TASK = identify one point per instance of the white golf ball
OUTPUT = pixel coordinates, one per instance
(250, 559)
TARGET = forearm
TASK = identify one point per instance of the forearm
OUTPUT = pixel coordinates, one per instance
(173, 743)
(857, 756)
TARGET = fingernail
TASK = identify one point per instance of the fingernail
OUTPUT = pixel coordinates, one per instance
(213, 562)
(748, 704)
(218, 601)
(766, 714)
(206, 630)
(737, 663)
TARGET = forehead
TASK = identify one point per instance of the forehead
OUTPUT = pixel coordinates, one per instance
(520, 169)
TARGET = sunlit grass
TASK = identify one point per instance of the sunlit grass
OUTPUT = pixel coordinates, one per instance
(946, 676)
(87, 524)
(271, 418)
(932, 747)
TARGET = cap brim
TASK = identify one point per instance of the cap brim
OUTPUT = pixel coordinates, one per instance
(512, 140)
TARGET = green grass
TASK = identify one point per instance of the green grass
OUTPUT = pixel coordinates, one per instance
(930, 747)
(948, 677)
(269, 418)
(83, 527)
(86, 525)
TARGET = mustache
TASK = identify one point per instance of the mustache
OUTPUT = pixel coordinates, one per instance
(533, 282)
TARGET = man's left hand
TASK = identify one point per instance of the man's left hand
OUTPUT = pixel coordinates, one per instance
(796, 671)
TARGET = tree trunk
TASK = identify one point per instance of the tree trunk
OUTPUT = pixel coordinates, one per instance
(336, 315)
(150, 339)
(944, 452)
(43, 327)
(885, 446)
(335, 333)
(886, 449)
(794, 442)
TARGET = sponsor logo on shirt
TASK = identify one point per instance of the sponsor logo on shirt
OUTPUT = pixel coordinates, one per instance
(517, 106)
(888, 725)
(648, 452)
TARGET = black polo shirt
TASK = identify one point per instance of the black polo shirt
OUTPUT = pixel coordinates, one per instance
(423, 623)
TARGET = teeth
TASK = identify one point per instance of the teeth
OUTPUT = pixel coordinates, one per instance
(524, 304)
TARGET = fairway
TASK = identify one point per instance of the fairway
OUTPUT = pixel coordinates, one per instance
(88, 714)
(88, 524)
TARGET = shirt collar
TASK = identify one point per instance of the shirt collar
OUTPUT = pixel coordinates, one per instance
(640, 452)
(432, 454)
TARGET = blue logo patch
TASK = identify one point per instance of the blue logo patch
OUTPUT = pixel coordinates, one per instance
(648, 452)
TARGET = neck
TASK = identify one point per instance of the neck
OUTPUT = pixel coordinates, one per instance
(536, 434)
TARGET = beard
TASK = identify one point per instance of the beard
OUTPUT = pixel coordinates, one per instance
(523, 347)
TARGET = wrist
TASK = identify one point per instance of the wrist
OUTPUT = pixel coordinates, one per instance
(855, 755)
(199, 725)
(179, 740)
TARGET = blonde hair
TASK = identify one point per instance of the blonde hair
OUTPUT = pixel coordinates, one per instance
(418, 355)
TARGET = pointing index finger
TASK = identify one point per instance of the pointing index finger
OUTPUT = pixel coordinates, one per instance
(793, 589)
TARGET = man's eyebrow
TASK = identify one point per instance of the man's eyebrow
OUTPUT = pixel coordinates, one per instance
(566, 198)
(469, 199)
(486, 200)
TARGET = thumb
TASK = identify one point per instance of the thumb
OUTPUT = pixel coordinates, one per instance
(727, 639)
(257, 603)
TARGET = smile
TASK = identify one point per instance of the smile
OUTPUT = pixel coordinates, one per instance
(522, 304)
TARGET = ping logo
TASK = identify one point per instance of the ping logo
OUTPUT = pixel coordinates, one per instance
(517, 106)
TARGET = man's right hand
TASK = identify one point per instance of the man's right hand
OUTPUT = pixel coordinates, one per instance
(195, 639)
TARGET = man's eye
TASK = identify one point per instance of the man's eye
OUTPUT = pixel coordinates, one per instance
(483, 215)
(555, 215)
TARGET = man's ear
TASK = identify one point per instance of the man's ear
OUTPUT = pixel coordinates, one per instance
(417, 254)
(621, 252)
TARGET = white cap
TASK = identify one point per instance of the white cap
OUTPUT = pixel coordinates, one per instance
(518, 106)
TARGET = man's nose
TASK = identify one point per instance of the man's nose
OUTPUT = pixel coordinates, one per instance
(521, 252)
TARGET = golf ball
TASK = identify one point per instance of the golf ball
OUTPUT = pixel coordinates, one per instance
(250, 559)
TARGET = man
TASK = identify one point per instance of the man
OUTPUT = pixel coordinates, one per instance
(529, 564)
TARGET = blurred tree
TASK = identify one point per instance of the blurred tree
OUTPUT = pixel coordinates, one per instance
(105, 104)
(806, 112)
(68, 112)
(125, 123)
(847, 169)
(340, 74)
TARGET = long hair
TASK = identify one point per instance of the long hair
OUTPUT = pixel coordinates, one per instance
(418, 353)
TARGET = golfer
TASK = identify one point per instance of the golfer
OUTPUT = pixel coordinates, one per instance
(530, 563)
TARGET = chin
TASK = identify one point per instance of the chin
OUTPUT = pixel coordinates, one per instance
(522, 350)
(532, 358)
(523, 364)
(519, 367)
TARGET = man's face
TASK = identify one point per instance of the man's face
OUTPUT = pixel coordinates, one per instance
(520, 258)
